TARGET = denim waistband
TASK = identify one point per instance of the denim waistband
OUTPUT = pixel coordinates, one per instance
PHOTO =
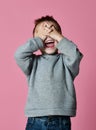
(50, 117)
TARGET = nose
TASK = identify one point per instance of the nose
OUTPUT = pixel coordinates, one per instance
(48, 38)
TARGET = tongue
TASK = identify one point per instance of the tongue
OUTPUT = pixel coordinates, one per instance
(51, 44)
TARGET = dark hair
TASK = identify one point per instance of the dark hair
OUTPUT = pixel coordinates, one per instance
(47, 18)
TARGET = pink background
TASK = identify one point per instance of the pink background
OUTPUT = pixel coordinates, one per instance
(78, 21)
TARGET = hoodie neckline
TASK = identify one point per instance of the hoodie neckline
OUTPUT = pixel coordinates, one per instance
(50, 56)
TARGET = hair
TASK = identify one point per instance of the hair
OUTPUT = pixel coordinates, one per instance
(47, 18)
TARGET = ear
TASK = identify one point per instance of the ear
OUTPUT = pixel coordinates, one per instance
(36, 31)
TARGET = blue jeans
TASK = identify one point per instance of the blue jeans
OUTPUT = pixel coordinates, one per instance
(49, 123)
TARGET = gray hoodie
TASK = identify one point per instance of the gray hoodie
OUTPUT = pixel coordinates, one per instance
(50, 77)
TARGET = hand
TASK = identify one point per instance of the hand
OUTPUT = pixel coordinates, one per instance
(42, 30)
(55, 34)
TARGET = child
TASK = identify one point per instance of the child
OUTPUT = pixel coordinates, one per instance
(51, 98)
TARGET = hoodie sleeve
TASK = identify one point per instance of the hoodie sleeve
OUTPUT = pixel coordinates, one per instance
(24, 54)
(71, 54)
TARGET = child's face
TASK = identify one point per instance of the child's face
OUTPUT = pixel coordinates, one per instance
(49, 43)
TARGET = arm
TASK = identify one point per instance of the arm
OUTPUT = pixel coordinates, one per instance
(24, 54)
(72, 55)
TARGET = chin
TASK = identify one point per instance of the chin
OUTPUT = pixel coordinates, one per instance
(49, 51)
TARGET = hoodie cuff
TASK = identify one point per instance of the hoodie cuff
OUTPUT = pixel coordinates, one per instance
(38, 42)
(66, 45)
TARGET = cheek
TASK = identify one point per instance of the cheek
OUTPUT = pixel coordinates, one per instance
(56, 42)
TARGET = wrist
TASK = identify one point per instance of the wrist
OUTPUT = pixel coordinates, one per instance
(59, 37)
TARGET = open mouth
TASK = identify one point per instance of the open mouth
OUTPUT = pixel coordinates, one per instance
(49, 44)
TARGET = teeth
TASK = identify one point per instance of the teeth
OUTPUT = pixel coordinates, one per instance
(49, 41)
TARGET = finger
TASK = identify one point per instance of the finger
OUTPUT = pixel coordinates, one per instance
(47, 30)
(45, 24)
(51, 28)
(48, 25)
